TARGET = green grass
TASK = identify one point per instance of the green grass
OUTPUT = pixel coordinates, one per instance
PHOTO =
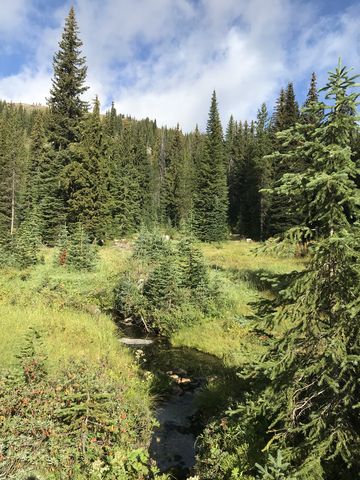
(65, 307)
(47, 284)
(239, 271)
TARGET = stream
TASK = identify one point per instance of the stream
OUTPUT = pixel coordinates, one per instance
(179, 374)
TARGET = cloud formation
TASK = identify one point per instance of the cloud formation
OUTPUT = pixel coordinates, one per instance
(163, 58)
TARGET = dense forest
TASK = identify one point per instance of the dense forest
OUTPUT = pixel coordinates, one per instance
(74, 180)
(113, 174)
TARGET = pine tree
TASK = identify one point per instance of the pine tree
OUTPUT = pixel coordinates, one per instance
(211, 199)
(38, 184)
(312, 393)
(13, 157)
(66, 111)
(86, 178)
(291, 107)
(27, 242)
(173, 185)
(81, 252)
(68, 85)
(312, 97)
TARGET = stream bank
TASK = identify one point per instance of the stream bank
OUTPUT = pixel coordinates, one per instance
(179, 375)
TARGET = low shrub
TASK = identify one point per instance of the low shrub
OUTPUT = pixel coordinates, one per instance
(78, 425)
(166, 288)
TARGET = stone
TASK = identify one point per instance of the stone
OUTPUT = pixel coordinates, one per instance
(136, 341)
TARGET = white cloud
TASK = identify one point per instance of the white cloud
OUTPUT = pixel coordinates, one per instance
(163, 58)
(28, 86)
(13, 14)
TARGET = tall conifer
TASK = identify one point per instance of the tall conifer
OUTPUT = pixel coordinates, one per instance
(311, 401)
(211, 199)
(66, 110)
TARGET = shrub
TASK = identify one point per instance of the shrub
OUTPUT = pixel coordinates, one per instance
(151, 245)
(171, 288)
(81, 253)
(78, 425)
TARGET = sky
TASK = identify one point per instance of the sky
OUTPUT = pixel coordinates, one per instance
(163, 58)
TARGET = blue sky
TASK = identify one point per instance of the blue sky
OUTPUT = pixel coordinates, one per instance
(163, 58)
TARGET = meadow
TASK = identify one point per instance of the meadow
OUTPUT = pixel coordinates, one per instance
(72, 313)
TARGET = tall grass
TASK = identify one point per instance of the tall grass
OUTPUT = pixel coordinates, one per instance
(65, 307)
(239, 271)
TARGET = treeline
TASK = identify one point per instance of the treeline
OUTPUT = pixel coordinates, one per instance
(65, 165)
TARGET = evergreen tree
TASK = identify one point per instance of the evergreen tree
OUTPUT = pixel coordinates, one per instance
(312, 97)
(173, 185)
(68, 85)
(291, 107)
(196, 152)
(62, 245)
(27, 242)
(66, 111)
(248, 186)
(263, 148)
(311, 397)
(211, 199)
(81, 252)
(13, 157)
(112, 122)
(38, 184)
(86, 178)
(125, 188)
(234, 144)
(192, 269)
(145, 175)
(280, 215)
(279, 116)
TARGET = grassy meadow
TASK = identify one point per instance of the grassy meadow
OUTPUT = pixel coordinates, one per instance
(71, 310)
(239, 270)
(69, 306)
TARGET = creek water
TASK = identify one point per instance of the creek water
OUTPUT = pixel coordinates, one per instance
(179, 375)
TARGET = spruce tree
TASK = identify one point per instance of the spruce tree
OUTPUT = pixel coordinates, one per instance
(311, 399)
(278, 122)
(13, 157)
(145, 175)
(81, 252)
(86, 178)
(27, 242)
(312, 97)
(173, 185)
(66, 111)
(249, 215)
(68, 85)
(211, 198)
(234, 145)
(263, 148)
(291, 107)
(280, 215)
(125, 188)
(62, 245)
(39, 183)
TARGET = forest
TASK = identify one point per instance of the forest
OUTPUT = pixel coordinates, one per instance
(235, 251)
